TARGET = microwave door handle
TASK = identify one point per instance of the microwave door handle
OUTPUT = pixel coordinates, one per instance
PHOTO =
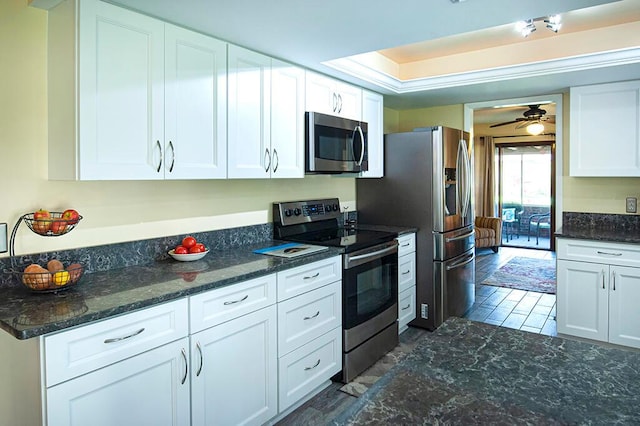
(359, 129)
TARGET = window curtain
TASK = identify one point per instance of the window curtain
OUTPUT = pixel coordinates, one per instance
(484, 159)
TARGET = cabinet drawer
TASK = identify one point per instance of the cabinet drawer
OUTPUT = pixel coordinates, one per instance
(306, 368)
(406, 308)
(72, 353)
(295, 281)
(406, 244)
(223, 304)
(406, 271)
(310, 315)
(599, 252)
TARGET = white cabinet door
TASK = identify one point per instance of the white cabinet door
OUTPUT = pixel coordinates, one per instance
(234, 371)
(329, 96)
(583, 299)
(149, 389)
(601, 114)
(121, 94)
(624, 313)
(287, 120)
(249, 143)
(195, 139)
(372, 114)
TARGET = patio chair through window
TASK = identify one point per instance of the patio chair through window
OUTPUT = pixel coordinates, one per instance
(536, 223)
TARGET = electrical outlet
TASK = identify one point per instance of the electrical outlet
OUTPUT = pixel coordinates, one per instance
(632, 205)
(3, 237)
(424, 311)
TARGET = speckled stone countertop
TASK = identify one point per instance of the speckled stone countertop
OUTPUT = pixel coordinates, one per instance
(103, 294)
(600, 227)
(471, 373)
(400, 230)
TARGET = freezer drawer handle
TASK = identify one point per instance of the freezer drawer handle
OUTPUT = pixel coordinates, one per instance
(129, 336)
(460, 237)
(461, 263)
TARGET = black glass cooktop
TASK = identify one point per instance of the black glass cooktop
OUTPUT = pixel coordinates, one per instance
(348, 238)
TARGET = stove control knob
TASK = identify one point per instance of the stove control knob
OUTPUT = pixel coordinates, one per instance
(288, 212)
(327, 208)
(336, 208)
(297, 212)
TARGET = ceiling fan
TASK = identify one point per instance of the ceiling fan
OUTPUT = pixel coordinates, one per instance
(533, 114)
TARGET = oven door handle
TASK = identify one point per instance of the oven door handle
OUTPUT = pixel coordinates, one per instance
(461, 263)
(377, 253)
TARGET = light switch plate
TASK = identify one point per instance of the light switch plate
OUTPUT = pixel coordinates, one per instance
(3, 237)
(632, 205)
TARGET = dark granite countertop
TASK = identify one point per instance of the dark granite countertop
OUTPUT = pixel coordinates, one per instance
(103, 294)
(600, 234)
(471, 373)
(400, 230)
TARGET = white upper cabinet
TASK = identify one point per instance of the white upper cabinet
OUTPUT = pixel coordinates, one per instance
(149, 102)
(605, 130)
(333, 97)
(372, 114)
(195, 105)
(266, 117)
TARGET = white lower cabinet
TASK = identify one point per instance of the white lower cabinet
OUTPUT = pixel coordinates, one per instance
(148, 389)
(406, 280)
(234, 371)
(598, 288)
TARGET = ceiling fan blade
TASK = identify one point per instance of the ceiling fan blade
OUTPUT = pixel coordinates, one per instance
(504, 124)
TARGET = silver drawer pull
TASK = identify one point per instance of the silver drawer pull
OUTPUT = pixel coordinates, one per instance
(117, 339)
(405, 245)
(201, 359)
(609, 254)
(308, 318)
(312, 276)
(186, 367)
(311, 368)
(406, 272)
(231, 302)
(406, 307)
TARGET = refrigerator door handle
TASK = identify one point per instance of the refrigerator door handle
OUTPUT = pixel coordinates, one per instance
(460, 237)
(461, 263)
(465, 173)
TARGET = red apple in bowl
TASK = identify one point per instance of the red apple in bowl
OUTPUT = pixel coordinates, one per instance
(71, 216)
(41, 221)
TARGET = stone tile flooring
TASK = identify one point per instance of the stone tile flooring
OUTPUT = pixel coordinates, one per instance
(519, 309)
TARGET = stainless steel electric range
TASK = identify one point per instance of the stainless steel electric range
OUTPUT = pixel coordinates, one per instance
(369, 277)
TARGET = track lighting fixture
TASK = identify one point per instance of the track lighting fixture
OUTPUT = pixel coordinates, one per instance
(528, 26)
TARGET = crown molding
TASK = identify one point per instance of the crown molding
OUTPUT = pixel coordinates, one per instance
(393, 84)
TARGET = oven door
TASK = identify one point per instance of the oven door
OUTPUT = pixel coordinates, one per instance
(335, 145)
(369, 283)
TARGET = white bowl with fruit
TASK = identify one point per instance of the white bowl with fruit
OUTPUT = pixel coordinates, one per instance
(189, 250)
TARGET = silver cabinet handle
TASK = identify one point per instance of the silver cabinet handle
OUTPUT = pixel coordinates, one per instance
(275, 160)
(406, 307)
(160, 149)
(173, 156)
(311, 368)
(312, 317)
(186, 367)
(311, 277)
(201, 359)
(609, 254)
(406, 272)
(339, 102)
(267, 156)
(603, 279)
(129, 336)
(231, 302)
(335, 102)
(362, 145)
(405, 245)
(613, 280)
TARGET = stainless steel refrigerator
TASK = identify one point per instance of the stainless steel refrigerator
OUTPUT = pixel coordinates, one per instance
(428, 184)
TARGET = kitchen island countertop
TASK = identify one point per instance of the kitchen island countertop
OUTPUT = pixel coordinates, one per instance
(103, 294)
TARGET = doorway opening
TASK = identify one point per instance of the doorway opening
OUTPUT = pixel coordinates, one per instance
(525, 193)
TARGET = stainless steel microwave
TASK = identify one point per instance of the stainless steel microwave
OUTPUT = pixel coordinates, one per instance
(335, 144)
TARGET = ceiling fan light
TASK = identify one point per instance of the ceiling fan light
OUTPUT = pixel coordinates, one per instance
(535, 128)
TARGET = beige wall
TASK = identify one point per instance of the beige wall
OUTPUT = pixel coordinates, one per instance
(113, 211)
(590, 195)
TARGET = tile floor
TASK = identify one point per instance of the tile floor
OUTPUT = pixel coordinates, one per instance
(519, 309)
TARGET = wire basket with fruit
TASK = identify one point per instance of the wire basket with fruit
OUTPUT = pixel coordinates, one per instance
(52, 224)
(54, 277)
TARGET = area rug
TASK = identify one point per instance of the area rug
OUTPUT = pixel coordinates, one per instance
(525, 273)
(408, 341)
